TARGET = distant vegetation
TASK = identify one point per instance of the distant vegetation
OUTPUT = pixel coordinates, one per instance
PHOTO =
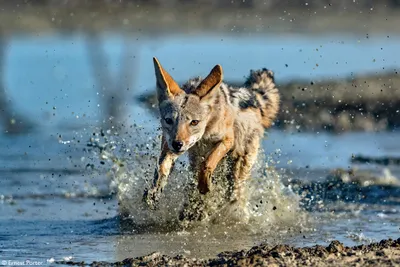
(257, 4)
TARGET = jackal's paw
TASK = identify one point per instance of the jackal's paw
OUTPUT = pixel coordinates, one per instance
(151, 198)
(205, 182)
(232, 213)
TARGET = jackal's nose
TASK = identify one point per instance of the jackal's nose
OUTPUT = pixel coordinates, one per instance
(177, 145)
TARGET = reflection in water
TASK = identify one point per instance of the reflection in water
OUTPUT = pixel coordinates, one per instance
(12, 121)
(114, 91)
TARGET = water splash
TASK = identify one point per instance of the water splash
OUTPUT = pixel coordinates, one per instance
(272, 207)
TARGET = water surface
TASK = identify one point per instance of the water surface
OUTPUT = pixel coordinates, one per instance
(53, 206)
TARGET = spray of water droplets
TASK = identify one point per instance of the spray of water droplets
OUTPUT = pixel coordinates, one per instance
(271, 206)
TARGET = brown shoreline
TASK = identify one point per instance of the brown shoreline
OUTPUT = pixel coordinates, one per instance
(384, 253)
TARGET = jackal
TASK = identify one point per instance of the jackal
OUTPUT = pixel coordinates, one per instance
(211, 121)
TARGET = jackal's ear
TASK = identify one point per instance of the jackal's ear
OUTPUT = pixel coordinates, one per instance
(166, 86)
(211, 82)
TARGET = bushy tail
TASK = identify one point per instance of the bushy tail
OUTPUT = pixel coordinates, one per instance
(263, 84)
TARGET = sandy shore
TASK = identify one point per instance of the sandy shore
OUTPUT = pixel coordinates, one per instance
(384, 253)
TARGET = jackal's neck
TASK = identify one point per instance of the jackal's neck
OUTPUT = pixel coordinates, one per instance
(220, 116)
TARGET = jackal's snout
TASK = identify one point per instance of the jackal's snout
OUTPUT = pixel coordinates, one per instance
(177, 145)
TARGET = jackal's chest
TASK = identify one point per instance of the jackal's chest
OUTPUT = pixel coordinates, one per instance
(203, 147)
(212, 137)
(200, 151)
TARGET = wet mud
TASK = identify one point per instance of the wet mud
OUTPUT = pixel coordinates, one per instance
(384, 253)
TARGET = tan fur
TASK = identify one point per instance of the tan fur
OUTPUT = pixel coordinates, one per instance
(164, 77)
(211, 81)
(211, 122)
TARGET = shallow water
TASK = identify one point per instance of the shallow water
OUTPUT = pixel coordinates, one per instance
(53, 206)
(67, 212)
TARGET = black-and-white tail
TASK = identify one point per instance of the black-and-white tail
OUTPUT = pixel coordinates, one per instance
(263, 85)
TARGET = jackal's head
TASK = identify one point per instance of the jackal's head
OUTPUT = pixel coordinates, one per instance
(184, 115)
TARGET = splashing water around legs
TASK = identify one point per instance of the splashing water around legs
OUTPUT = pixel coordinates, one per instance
(263, 204)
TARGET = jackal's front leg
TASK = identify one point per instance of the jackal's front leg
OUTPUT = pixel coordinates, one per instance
(165, 164)
(209, 165)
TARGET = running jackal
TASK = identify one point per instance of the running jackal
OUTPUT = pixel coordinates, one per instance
(211, 121)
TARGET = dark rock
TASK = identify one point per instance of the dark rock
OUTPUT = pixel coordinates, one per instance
(335, 247)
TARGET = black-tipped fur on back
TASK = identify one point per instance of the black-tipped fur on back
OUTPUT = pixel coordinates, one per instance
(259, 92)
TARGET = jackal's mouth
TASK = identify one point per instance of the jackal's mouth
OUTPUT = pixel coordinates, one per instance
(180, 152)
(176, 151)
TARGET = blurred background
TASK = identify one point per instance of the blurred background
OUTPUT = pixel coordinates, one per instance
(69, 68)
(80, 63)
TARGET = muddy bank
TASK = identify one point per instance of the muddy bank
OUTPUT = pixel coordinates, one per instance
(385, 161)
(384, 253)
(365, 103)
(358, 103)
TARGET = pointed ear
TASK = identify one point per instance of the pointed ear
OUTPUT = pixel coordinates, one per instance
(166, 86)
(213, 80)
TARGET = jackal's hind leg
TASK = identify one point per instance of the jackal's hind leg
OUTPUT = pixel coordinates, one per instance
(241, 172)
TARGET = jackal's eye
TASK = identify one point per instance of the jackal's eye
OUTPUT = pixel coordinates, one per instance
(194, 122)
(168, 121)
